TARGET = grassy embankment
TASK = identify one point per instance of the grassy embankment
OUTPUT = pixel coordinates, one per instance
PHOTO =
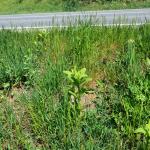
(37, 111)
(30, 6)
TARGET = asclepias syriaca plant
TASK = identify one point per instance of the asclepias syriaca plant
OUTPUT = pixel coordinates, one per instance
(77, 81)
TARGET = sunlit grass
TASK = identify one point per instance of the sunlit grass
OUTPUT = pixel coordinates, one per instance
(32, 6)
(34, 90)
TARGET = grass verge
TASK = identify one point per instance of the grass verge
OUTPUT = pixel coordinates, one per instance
(37, 100)
(33, 6)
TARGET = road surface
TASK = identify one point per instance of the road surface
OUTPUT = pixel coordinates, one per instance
(63, 19)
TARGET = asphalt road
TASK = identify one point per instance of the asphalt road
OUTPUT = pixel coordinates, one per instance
(63, 19)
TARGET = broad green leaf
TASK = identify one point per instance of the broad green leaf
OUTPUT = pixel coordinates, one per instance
(148, 61)
(6, 85)
(140, 130)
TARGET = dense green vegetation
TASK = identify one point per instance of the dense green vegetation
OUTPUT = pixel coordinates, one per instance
(30, 6)
(47, 102)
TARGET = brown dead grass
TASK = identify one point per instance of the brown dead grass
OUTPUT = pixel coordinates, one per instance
(87, 101)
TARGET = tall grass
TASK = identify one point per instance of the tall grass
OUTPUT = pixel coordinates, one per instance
(34, 111)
